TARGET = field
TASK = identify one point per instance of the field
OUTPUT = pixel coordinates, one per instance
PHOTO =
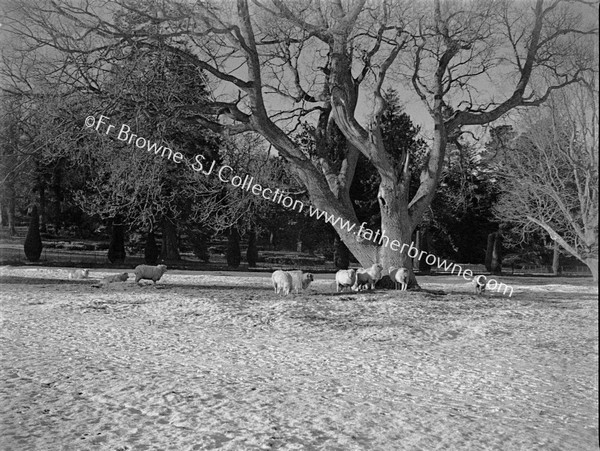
(218, 361)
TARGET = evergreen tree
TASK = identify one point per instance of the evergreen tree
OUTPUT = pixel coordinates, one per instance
(33, 241)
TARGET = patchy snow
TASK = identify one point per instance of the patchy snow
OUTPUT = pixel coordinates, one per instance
(219, 361)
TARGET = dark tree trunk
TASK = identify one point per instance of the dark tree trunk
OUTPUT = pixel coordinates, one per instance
(489, 251)
(199, 245)
(496, 260)
(151, 252)
(234, 254)
(58, 197)
(556, 260)
(43, 219)
(341, 255)
(11, 207)
(422, 240)
(272, 240)
(252, 252)
(33, 241)
(116, 248)
(170, 243)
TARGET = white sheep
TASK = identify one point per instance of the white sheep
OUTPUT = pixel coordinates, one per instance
(111, 279)
(367, 277)
(300, 280)
(345, 278)
(282, 280)
(79, 274)
(153, 273)
(479, 284)
(400, 277)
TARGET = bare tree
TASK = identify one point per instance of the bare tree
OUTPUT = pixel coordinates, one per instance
(282, 63)
(551, 174)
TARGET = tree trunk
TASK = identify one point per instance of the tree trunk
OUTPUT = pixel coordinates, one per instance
(489, 251)
(58, 197)
(234, 254)
(11, 207)
(252, 251)
(170, 243)
(43, 219)
(556, 260)
(116, 248)
(592, 263)
(151, 250)
(496, 263)
(424, 244)
(341, 255)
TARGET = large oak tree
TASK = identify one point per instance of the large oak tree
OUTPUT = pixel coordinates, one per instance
(278, 63)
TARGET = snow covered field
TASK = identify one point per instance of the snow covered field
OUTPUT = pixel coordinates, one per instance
(219, 361)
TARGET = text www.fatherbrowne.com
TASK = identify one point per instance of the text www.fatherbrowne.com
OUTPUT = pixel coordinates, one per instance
(226, 174)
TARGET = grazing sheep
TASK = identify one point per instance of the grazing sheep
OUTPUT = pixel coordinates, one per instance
(479, 284)
(111, 279)
(79, 274)
(345, 278)
(300, 280)
(153, 273)
(400, 277)
(367, 277)
(282, 280)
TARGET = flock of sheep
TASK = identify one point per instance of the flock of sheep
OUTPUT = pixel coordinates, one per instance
(355, 279)
(142, 272)
(286, 282)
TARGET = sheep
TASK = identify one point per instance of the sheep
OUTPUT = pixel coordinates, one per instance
(300, 280)
(153, 273)
(367, 276)
(282, 280)
(400, 277)
(111, 279)
(345, 278)
(79, 274)
(479, 284)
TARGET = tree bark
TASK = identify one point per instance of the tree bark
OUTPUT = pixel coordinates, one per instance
(234, 254)
(341, 256)
(11, 207)
(170, 243)
(43, 218)
(252, 251)
(592, 263)
(116, 249)
(151, 249)
(489, 251)
(496, 263)
(556, 260)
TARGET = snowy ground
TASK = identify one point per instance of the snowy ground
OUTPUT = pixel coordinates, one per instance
(218, 361)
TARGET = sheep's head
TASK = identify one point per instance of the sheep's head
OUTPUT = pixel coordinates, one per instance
(85, 272)
(162, 268)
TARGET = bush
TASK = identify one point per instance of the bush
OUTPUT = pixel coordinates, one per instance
(33, 242)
